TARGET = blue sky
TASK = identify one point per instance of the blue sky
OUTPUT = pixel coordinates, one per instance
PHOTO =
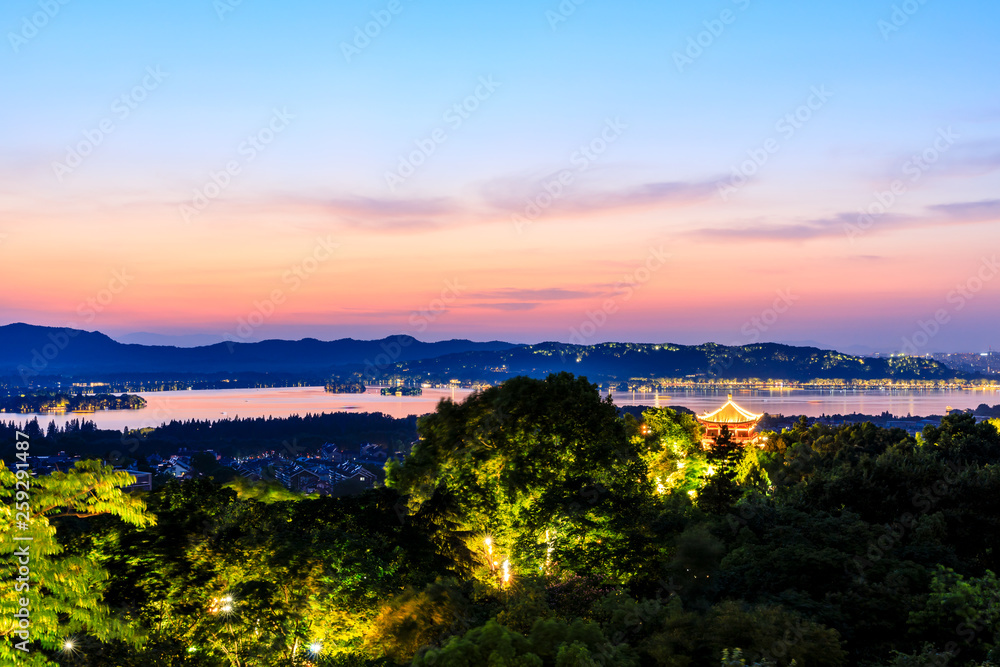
(892, 81)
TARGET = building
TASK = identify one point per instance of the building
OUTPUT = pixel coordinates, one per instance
(741, 423)
(179, 469)
(296, 478)
(331, 452)
(349, 471)
(143, 481)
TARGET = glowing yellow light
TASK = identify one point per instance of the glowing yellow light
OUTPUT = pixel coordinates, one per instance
(506, 571)
(221, 605)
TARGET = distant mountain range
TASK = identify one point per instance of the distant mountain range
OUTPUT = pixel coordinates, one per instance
(625, 361)
(59, 351)
(28, 351)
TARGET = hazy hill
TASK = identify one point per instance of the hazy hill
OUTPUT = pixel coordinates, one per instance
(53, 351)
(49, 350)
(621, 361)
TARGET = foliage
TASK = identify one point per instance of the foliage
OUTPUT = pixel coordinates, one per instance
(551, 642)
(294, 435)
(543, 468)
(36, 402)
(338, 386)
(59, 591)
(721, 488)
(672, 453)
(415, 619)
(960, 608)
(265, 491)
(827, 546)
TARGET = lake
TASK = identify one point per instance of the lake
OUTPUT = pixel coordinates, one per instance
(282, 402)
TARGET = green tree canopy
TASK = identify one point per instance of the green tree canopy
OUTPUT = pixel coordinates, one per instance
(63, 592)
(544, 468)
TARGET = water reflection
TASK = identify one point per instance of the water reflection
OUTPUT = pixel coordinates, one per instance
(283, 402)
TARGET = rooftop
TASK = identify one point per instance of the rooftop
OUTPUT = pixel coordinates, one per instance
(730, 413)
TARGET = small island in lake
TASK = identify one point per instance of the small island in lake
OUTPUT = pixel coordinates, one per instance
(60, 403)
(402, 391)
(337, 387)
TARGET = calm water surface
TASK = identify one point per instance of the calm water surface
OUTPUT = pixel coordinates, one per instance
(282, 402)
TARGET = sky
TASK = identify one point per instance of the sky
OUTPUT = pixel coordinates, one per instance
(583, 171)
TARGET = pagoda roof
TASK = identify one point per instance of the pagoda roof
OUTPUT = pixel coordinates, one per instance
(730, 413)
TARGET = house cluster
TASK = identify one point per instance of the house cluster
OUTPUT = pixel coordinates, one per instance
(46, 465)
(316, 474)
(180, 465)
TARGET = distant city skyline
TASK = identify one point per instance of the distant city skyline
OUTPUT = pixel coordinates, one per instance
(733, 171)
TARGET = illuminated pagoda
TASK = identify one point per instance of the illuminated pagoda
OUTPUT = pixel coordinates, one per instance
(741, 423)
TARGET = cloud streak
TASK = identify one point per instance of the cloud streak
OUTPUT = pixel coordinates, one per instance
(507, 196)
(958, 213)
(544, 294)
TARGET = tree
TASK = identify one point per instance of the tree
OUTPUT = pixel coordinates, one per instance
(248, 581)
(543, 468)
(670, 442)
(551, 642)
(415, 619)
(961, 439)
(721, 489)
(58, 594)
(957, 608)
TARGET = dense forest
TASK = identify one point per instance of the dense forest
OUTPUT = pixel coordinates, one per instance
(234, 436)
(534, 525)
